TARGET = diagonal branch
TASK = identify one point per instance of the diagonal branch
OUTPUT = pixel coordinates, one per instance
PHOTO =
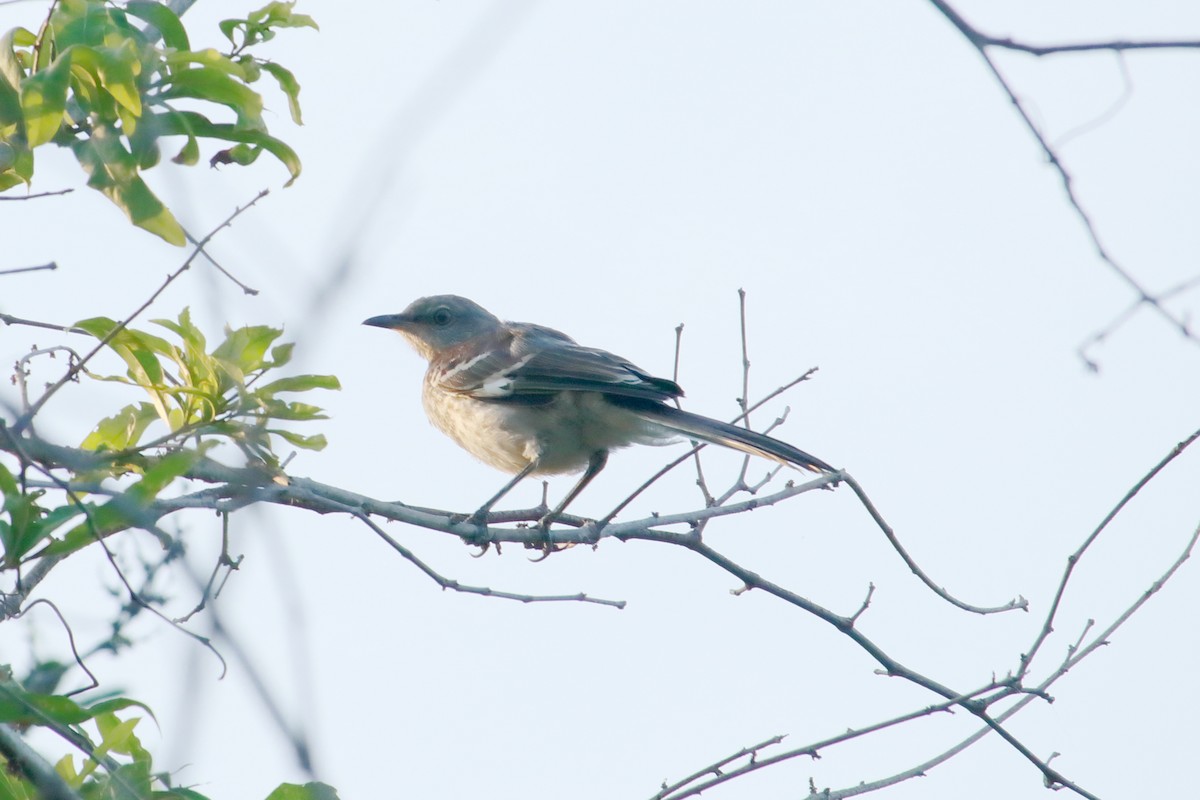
(24, 421)
(982, 42)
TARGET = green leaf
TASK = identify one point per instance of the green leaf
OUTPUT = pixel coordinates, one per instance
(112, 171)
(20, 706)
(123, 429)
(282, 354)
(213, 85)
(11, 68)
(190, 123)
(21, 171)
(179, 793)
(44, 101)
(315, 442)
(208, 58)
(30, 522)
(301, 383)
(8, 483)
(308, 791)
(163, 19)
(185, 329)
(138, 349)
(244, 348)
(279, 14)
(126, 510)
(242, 154)
(227, 27)
(116, 69)
(189, 154)
(11, 76)
(25, 708)
(301, 412)
(87, 23)
(289, 85)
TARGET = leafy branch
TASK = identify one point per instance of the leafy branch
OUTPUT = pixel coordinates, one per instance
(91, 80)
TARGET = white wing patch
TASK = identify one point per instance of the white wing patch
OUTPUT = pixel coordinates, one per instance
(500, 384)
(463, 367)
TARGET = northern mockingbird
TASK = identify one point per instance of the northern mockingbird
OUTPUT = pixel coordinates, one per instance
(528, 400)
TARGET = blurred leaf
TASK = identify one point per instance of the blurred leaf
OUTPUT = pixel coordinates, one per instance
(10, 67)
(125, 510)
(190, 123)
(44, 101)
(30, 523)
(299, 412)
(282, 354)
(259, 25)
(163, 19)
(20, 172)
(251, 70)
(245, 347)
(11, 75)
(279, 15)
(123, 429)
(242, 154)
(185, 329)
(315, 442)
(116, 736)
(206, 83)
(189, 154)
(113, 171)
(289, 85)
(137, 349)
(302, 383)
(308, 791)
(86, 23)
(29, 708)
(208, 58)
(116, 68)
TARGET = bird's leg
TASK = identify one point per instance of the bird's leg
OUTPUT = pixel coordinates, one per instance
(595, 464)
(481, 515)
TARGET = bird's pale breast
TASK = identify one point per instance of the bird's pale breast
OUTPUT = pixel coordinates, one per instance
(561, 435)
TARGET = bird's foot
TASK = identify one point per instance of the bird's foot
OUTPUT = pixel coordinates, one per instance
(479, 536)
(547, 546)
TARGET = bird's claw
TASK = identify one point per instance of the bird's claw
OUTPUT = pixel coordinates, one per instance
(478, 537)
(547, 546)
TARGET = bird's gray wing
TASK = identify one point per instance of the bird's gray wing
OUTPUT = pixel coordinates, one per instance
(530, 361)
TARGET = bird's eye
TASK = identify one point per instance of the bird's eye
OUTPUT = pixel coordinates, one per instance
(442, 317)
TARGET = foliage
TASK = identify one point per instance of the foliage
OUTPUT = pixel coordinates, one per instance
(117, 765)
(205, 396)
(202, 398)
(90, 79)
(113, 84)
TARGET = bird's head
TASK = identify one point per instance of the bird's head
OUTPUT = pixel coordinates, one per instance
(435, 324)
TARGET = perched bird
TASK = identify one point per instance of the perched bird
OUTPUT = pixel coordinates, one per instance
(528, 400)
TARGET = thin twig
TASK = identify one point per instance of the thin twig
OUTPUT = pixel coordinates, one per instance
(70, 642)
(34, 196)
(9, 319)
(675, 463)
(1073, 559)
(1018, 602)
(246, 289)
(26, 418)
(53, 265)
(981, 43)
(450, 583)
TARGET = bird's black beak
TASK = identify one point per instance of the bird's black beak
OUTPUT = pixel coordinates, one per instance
(393, 321)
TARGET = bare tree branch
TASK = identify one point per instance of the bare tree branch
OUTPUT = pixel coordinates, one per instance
(982, 43)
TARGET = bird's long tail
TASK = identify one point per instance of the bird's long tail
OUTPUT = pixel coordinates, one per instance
(714, 431)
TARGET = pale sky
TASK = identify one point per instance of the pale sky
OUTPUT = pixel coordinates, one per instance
(614, 169)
